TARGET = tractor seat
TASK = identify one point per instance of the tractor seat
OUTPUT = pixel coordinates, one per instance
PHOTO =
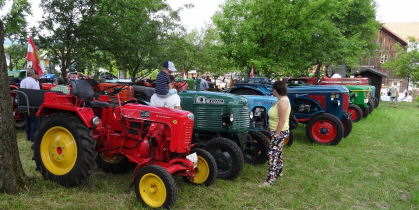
(83, 90)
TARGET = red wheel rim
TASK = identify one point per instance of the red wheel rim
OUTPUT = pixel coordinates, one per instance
(353, 114)
(324, 131)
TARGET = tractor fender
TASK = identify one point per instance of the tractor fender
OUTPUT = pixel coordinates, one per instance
(85, 114)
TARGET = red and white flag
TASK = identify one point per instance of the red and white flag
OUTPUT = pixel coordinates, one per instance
(32, 58)
(183, 73)
(252, 72)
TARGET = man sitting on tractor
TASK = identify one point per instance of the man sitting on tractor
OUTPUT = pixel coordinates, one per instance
(172, 101)
(161, 97)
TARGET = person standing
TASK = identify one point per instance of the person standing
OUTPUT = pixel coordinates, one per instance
(279, 126)
(31, 82)
(203, 84)
(394, 94)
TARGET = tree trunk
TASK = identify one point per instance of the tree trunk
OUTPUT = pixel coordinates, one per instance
(318, 68)
(12, 175)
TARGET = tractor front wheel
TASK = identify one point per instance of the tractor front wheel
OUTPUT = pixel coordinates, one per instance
(365, 112)
(63, 149)
(155, 186)
(371, 106)
(257, 148)
(325, 129)
(355, 112)
(116, 164)
(206, 170)
(228, 156)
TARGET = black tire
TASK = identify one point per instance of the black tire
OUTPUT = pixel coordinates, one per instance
(257, 148)
(266, 133)
(357, 111)
(245, 91)
(376, 102)
(370, 106)
(211, 165)
(290, 140)
(365, 112)
(20, 123)
(84, 149)
(166, 179)
(117, 164)
(228, 156)
(347, 127)
(325, 122)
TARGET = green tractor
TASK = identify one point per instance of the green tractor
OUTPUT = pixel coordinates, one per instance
(360, 106)
(221, 127)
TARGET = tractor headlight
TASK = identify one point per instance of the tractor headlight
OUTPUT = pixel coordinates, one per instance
(251, 115)
(191, 116)
(258, 111)
(95, 121)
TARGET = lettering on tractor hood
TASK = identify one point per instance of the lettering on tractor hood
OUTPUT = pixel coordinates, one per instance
(204, 100)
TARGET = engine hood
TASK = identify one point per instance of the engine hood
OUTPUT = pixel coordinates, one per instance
(213, 98)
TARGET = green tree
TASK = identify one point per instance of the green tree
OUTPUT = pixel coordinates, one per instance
(61, 23)
(132, 31)
(290, 37)
(17, 55)
(406, 63)
(12, 175)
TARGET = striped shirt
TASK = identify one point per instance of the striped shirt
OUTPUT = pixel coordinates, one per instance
(162, 83)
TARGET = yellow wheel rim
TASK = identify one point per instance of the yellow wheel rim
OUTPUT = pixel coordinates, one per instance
(111, 160)
(201, 172)
(152, 190)
(58, 150)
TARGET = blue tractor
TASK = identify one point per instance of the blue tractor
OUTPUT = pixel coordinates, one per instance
(321, 108)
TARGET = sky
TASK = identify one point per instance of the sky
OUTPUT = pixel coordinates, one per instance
(200, 15)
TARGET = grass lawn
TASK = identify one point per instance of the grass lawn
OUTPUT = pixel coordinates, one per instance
(376, 166)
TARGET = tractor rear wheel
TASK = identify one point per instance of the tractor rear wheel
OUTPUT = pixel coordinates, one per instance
(63, 149)
(325, 129)
(117, 164)
(355, 112)
(155, 187)
(347, 126)
(206, 170)
(257, 148)
(228, 156)
(365, 112)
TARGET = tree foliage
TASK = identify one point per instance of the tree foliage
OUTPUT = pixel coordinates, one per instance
(292, 36)
(61, 23)
(131, 31)
(406, 63)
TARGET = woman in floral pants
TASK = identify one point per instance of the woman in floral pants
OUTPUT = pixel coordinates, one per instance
(279, 125)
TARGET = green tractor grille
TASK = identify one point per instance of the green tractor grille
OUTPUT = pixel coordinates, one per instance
(208, 117)
(241, 118)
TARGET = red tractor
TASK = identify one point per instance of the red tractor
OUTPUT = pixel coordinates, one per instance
(77, 131)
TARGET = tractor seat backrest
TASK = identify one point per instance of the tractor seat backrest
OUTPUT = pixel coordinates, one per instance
(82, 89)
(30, 99)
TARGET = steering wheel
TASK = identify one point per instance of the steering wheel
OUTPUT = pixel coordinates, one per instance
(115, 89)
